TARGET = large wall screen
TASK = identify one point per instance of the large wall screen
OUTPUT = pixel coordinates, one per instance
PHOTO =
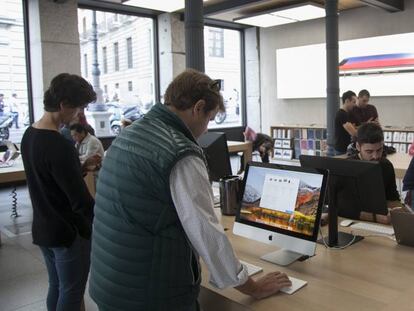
(384, 65)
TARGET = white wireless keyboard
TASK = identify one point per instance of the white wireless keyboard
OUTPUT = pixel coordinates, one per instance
(296, 283)
(380, 229)
(251, 269)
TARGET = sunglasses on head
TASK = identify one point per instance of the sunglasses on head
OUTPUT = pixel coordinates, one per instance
(215, 85)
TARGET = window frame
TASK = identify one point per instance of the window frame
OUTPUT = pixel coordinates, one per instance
(115, 50)
(85, 64)
(105, 59)
(26, 39)
(213, 50)
(130, 59)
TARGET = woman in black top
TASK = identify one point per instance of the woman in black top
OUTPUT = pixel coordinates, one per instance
(62, 205)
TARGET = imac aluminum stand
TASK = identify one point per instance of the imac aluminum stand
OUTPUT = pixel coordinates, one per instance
(282, 257)
(337, 239)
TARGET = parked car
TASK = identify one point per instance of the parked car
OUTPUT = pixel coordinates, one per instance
(129, 112)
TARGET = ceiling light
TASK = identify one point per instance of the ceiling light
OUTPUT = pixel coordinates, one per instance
(159, 5)
(283, 16)
(265, 20)
(302, 13)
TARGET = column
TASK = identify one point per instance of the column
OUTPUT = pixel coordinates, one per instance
(54, 44)
(171, 42)
(332, 70)
(194, 34)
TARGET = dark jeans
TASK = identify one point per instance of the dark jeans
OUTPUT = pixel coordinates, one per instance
(15, 119)
(68, 270)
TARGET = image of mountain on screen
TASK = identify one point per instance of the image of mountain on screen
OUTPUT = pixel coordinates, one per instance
(251, 195)
(308, 199)
(377, 64)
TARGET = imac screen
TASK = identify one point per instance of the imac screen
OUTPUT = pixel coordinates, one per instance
(283, 199)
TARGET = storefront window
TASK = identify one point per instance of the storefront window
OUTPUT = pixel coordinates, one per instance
(223, 61)
(14, 104)
(126, 77)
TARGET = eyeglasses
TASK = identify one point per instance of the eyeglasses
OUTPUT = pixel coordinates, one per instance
(215, 85)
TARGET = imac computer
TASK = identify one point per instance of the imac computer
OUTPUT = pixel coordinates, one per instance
(215, 149)
(354, 186)
(282, 205)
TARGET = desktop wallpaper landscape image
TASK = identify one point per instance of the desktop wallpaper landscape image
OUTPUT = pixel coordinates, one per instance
(302, 220)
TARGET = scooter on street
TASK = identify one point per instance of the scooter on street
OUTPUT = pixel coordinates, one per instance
(6, 121)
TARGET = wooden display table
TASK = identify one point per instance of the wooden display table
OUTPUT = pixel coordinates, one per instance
(12, 174)
(400, 161)
(241, 146)
(375, 274)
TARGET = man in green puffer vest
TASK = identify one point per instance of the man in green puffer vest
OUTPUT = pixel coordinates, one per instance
(154, 212)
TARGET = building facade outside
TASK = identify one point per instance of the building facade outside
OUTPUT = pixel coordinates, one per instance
(126, 61)
(13, 79)
(125, 56)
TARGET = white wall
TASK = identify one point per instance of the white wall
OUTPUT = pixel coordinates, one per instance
(353, 24)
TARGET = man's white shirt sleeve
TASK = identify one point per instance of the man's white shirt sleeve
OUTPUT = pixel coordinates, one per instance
(193, 198)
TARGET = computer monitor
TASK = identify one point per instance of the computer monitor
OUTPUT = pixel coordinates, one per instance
(282, 205)
(215, 149)
(354, 186)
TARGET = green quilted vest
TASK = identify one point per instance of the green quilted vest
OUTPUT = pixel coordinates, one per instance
(141, 258)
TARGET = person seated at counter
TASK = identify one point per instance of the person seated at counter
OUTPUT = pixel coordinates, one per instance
(86, 144)
(408, 185)
(262, 145)
(370, 145)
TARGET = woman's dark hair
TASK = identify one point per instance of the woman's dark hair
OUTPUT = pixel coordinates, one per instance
(263, 139)
(267, 142)
(370, 133)
(191, 86)
(70, 90)
(77, 127)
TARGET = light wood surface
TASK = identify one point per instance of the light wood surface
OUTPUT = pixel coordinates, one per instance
(375, 274)
(241, 146)
(13, 173)
(298, 126)
(16, 173)
(400, 161)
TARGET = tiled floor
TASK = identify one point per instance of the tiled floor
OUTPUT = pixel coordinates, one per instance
(23, 276)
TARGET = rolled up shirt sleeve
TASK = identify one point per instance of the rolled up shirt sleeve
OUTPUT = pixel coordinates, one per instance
(193, 198)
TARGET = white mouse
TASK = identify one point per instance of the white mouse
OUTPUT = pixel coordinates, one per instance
(346, 222)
